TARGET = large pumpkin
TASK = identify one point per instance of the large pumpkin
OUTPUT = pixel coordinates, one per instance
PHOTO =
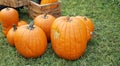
(45, 21)
(8, 16)
(68, 37)
(10, 35)
(89, 25)
(30, 41)
(49, 2)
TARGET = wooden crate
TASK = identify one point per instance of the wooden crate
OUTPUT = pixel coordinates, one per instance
(35, 9)
(14, 3)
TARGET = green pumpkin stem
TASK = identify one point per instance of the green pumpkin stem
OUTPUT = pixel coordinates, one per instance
(30, 27)
(14, 27)
(45, 16)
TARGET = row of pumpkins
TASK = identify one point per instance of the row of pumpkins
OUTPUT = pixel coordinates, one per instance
(68, 35)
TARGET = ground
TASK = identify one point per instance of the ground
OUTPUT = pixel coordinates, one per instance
(102, 50)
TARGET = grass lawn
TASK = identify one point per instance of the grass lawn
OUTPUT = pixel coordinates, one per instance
(102, 50)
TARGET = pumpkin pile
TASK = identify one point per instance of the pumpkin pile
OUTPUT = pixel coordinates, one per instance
(68, 35)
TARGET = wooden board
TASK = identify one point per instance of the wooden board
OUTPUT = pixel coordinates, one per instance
(35, 9)
(14, 3)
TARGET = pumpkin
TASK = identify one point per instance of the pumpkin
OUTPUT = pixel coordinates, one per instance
(45, 21)
(9, 16)
(68, 37)
(30, 41)
(49, 2)
(10, 35)
(22, 23)
(89, 25)
(87, 21)
(0, 19)
(5, 30)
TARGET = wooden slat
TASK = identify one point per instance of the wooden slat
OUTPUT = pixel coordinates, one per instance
(35, 9)
(14, 3)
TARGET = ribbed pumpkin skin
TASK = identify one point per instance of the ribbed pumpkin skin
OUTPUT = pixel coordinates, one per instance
(10, 36)
(68, 38)
(0, 18)
(89, 25)
(48, 2)
(45, 23)
(30, 43)
(9, 16)
(5, 30)
(20, 23)
(88, 22)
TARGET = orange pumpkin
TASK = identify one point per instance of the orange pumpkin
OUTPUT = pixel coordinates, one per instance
(49, 2)
(5, 30)
(10, 35)
(68, 37)
(0, 18)
(9, 16)
(30, 41)
(22, 23)
(45, 21)
(89, 25)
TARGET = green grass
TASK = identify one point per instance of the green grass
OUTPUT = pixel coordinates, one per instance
(102, 50)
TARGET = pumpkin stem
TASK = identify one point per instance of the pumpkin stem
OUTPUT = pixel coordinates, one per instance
(30, 27)
(45, 16)
(7, 8)
(85, 18)
(14, 27)
(68, 19)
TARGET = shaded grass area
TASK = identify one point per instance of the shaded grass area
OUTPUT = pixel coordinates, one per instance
(102, 50)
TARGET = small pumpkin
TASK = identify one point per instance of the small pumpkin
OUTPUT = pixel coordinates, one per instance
(89, 25)
(68, 37)
(22, 23)
(49, 2)
(88, 21)
(45, 21)
(30, 41)
(8, 17)
(10, 35)
(5, 30)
